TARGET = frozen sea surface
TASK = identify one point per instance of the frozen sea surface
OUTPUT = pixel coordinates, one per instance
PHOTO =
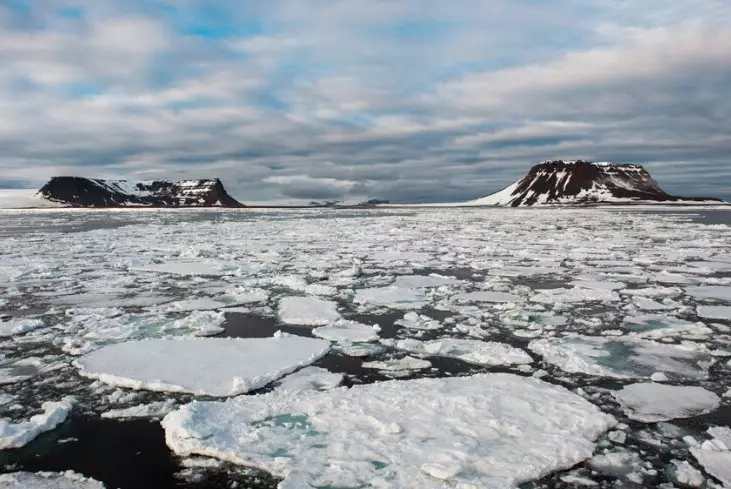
(590, 300)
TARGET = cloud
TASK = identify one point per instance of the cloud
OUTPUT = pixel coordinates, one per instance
(408, 100)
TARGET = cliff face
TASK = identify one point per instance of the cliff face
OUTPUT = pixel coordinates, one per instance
(582, 182)
(88, 192)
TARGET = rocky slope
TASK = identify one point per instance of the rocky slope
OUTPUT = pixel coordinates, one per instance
(583, 182)
(91, 192)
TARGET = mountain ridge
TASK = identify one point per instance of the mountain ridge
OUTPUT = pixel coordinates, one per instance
(580, 182)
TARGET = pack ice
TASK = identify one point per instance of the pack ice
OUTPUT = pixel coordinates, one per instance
(401, 434)
(207, 366)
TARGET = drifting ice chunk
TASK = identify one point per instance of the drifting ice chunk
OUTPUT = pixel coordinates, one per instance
(202, 323)
(15, 435)
(18, 326)
(718, 464)
(307, 311)
(412, 320)
(622, 357)
(650, 403)
(310, 378)
(215, 269)
(577, 294)
(211, 366)
(155, 410)
(422, 282)
(715, 312)
(685, 474)
(650, 305)
(471, 351)
(717, 292)
(345, 331)
(405, 364)
(392, 297)
(656, 327)
(598, 284)
(401, 434)
(48, 480)
(488, 296)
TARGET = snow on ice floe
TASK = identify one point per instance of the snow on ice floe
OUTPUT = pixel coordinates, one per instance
(651, 402)
(154, 410)
(176, 267)
(400, 366)
(402, 434)
(48, 480)
(654, 326)
(715, 292)
(574, 295)
(413, 320)
(206, 366)
(714, 455)
(623, 357)
(344, 331)
(17, 326)
(15, 435)
(310, 378)
(488, 296)
(488, 353)
(392, 297)
(715, 312)
(307, 311)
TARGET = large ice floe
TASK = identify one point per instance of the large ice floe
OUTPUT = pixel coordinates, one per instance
(650, 402)
(14, 435)
(488, 430)
(623, 357)
(48, 480)
(477, 352)
(211, 366)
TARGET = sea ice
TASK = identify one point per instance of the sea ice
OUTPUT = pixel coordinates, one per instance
(48, 480)
(574, 295)
(16, 326)
(155, 410)
(401, 434)
(202, 323)
(310, 378)
(649, 305)
(423, 281)
(211, 268)
(413, 320)
(15, 435)
(715, 312)
(392, 297)
(344, 331)
(488, 296)
(716, 292)
(477, 352)
(685, 475)
(716, 463)
(307, 311)
(206, 366)
(405, 364)
(622, 357)
(653, 326)
(651, 402)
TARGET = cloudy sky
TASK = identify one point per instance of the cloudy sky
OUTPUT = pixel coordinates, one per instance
(408, 100)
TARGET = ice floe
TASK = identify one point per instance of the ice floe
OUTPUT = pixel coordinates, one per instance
(623, 357)
(404, 365)
(488, 353)
(488, 296)
(716, 292)
(715, 312)
(154, 410)
(15, 435)
(651, 402)
(48, 480)
(655, 326)
(307, 311)
(310, 378)
(392, 297)
(398, 433)
(575, 295)
(348, 332)
(202, 323)
(16, 326)
(208, 366)
(413, 320)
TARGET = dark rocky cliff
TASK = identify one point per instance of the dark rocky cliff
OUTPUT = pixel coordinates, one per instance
(89, 192)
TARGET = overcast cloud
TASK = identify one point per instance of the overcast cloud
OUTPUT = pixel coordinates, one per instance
(407, 100)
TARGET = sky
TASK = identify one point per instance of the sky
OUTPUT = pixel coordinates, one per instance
(405, 100)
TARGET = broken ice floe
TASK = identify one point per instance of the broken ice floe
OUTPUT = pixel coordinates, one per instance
(398, 433)
(310, 378)
(392, 297)
(487, 353)
(211, 366)
(344, 331)
(651, 402)
(623, 357)
(14, 435)
(307, 311)
(48, 480)
(16, 326)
